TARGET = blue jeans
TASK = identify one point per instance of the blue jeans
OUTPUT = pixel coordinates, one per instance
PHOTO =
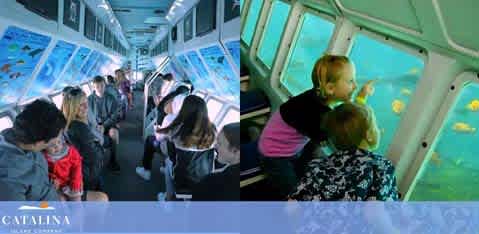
(169, 180)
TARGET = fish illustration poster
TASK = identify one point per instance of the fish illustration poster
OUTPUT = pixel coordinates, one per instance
(234, 49)
(22, 50)
(221, 70)
(203, 72)
(86, 67)
(51, 70)
(73, 68)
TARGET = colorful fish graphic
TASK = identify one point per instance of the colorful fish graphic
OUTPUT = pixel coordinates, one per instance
(26, 48)
(6, 68)
(35, 52)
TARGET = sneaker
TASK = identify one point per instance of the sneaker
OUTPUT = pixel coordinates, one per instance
(114, 167)
(145, 174)
(161, 196)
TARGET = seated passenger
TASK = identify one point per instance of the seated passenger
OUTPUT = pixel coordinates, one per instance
(111, 88)
(193, 135)
(161, 113)
(352, 172)
(23, 169)
(65, 169)
(223, 185)
(75, 109)
(94, 127)
(104, 108)
(152, 143)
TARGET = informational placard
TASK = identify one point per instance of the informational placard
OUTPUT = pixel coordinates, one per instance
(221, 70)
(51, 69)
(73, 69)
(234, 49)
(21, 52)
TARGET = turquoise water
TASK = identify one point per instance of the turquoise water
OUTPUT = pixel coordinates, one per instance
(311, 41)
(273, 32)
(452, 170)
(251, 19)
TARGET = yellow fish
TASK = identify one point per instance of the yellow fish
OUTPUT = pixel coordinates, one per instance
(413, 71)
(463, 127)
(398, 106)
(473, 105)
(405, 91)
(435, 159)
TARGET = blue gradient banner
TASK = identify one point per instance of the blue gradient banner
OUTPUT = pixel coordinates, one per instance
(239, 217)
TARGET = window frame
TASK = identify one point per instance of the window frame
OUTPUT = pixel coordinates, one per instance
(438, 123)
(324, 16)
(256, 52)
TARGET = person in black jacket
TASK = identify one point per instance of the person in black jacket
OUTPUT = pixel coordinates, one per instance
(75, 109)
(223, 185)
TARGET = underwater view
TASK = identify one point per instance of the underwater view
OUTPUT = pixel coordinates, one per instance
(396, 77)
(452, 172)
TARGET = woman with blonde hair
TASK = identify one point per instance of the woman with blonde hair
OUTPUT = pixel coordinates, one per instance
(75, 109)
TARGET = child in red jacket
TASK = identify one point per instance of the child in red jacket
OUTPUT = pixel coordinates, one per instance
(65, 169)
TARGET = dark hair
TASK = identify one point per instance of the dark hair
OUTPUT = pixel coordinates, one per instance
(346, 125)
(193, 124)
(232, 134)
(67, 89)
(111, 79)
(98, 79)
(39, 121)
(168, 77)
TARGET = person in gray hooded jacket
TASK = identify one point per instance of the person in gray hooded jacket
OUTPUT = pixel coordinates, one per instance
(23, 169)
(105, 109)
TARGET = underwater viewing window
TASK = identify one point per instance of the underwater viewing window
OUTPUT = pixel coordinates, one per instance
(451, 172)
(214, 108)
(310, 43)
(397, 74)
(231, 116)
(5, 122)
(58, 100)
(251, 19)
(268, 46)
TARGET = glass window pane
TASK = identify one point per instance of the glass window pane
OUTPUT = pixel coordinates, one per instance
(311, 41)
(58, 99)
(5, 122)
(231, 116)
(251, 19)
(274, 29)
(188, 27)
(397, 78)
(452, 170)
(214, 107)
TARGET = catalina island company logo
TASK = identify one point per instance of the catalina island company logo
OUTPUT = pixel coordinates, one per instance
(35, 219)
